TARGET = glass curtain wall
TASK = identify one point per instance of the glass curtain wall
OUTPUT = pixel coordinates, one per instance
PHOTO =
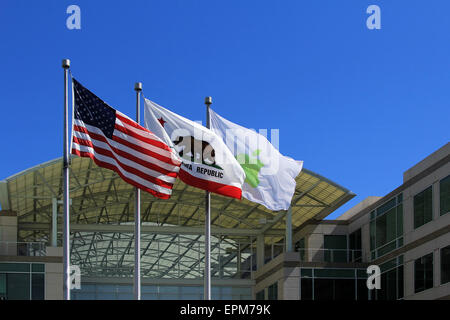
(333, 284)
(22, 281)
(386, 227)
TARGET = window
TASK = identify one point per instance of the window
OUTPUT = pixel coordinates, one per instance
(2, 286)
(355, 246)
(22, 281)
(37, 286)
(423, 207)
(273, 291)
(334, 289)
(333, 284)
(391, 280)
(306, 289)
(18, 286)
(386, 227)
(260, 295)
(444, 195)
(335, 248)
(300, 247)
(362, 290)
(423, 273)
(445, 265)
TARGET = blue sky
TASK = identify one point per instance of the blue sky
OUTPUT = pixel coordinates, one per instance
(359, 106)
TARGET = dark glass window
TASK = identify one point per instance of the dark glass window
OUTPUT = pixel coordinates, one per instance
(37, 286)
(423, 207)
(444, 195)
(344, 289)
(37, 267)
(18, 286)
(445, 265)
(386, 227)
(335, 248)
(306, 273)
(323, 289)
(388, 285)
(334, 289)
(391, 280)
(15, 267)
(273, 291)
(400, 282)
(2, 286)
(300, 247)
(306, 289)
(386, 206)
(355, 246)
(399, 220)
(334, 273)
(260, 295)
(372, 235)
(423, 273)
(363, 293)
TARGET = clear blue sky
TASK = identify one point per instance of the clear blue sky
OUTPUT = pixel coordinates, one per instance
(358, 106)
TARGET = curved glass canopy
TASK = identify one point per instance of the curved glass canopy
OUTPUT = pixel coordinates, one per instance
(102, 218)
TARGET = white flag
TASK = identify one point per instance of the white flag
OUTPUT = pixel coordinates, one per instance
(207, 162)
(270, 176)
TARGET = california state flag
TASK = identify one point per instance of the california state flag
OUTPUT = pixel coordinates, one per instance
(207, 162)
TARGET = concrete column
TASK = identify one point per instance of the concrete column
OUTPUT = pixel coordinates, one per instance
(408, 278)
(408, 215)
(289, 230)
(54, 236)
(436, 201)
(259, 251)
(290, 284)
(54, 275)
(436, 268)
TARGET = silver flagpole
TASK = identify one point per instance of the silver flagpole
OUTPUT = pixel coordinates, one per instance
(207, 289)
(137, 215)
(66, 226)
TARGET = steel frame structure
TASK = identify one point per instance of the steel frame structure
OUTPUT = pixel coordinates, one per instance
(102, 218)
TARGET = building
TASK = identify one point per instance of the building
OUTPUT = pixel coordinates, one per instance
(406, 233)
(256, 253)
(244, 235)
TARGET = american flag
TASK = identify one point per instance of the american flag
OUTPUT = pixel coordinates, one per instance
(116, 142)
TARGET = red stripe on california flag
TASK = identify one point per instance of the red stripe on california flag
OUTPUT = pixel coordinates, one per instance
(115, 169)
(219, 188)
(127, 168)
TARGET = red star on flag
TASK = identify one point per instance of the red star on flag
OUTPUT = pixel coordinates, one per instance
(162, 121)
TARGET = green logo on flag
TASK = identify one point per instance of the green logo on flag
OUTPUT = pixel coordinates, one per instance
(251, 169)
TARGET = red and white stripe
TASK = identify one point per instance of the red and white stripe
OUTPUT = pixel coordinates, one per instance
(136, 154)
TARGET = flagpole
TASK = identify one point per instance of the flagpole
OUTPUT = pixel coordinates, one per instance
(207, 275)
(66, 218)
(137, 215)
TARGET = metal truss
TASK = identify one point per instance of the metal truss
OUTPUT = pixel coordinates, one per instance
(102, 218)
